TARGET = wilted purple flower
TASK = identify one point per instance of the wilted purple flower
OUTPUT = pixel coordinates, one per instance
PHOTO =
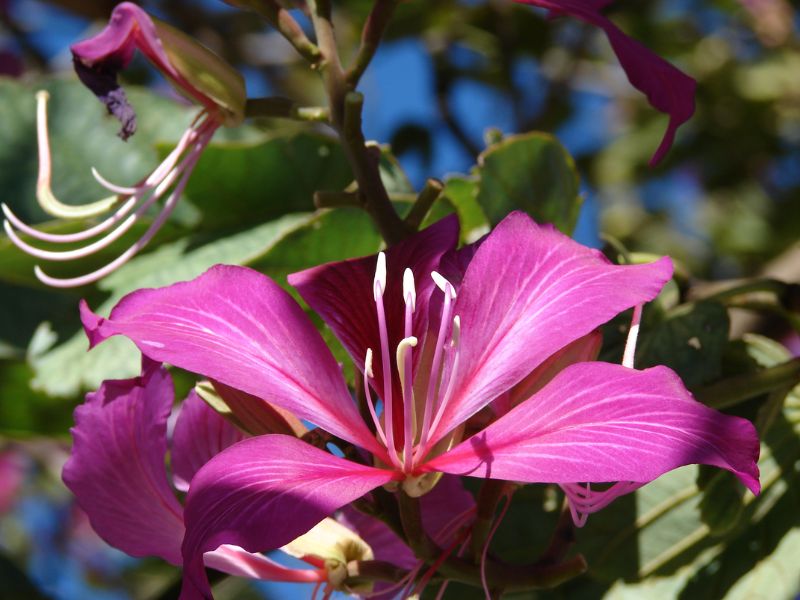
(196, 72)
(436, 358)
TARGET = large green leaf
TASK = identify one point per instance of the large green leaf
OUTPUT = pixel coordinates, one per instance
(241, 183)
(462, 193)
(531, 172)
(690, 339)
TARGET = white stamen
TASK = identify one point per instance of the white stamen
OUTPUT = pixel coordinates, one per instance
(169, 206)
(113, 187)
(633, 334)
(443, 284)
(368, 374)
(49, 203)
(409, 290)
(379, 285)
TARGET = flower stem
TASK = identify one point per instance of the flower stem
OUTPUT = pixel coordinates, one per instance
(345, 109)
(734, 390)
(489, 496)
(429, 194)
(499, 576)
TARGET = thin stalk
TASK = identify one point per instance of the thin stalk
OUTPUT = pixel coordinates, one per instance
(489, 497)
(429, 194)
(285, 24)
(345, 108)
(365, 165)
(371, 36)
(732, 391)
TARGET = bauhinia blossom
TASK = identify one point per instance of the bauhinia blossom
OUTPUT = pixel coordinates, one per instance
(439, 335)
(667, 88)
(195, 72)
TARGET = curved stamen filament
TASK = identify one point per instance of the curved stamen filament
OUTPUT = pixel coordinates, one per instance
(433, 382)
(169, 206)
(633, 334)
(378, 288)
(583, 500)
(455, 340)
(404, 369)
(49, 203)
(154, 179)
(368, 374)
(65, 255)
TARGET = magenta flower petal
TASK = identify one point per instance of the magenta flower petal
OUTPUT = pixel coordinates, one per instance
(598, 422)
(668, 89)
(528, 292)
(261, 494)
(238, 327)
(117, 470)
(200, 434)
(341, 293)
(235, 561)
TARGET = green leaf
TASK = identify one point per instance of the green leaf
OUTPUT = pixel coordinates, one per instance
(531, 172)
(239, 183)
(690, 340)
(462, 193)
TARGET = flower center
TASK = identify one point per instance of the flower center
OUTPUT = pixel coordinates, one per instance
(409, 444)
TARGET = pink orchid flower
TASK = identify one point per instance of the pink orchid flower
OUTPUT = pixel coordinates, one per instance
(436, 351)
(194, 71)
(668, 89)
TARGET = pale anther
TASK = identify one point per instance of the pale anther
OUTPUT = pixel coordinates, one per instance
(455, 337)
(379, 285)
(409, 290)
(443, 284)
(403, 348)
(368, 364)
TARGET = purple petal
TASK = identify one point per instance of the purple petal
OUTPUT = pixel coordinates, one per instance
(528, 292)
(238, 327)
(385, 543)
(116, 469)
(581, 350)
(261, 494)
(200, 434)
(668, 89)
(598, 422)
(341, 293)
